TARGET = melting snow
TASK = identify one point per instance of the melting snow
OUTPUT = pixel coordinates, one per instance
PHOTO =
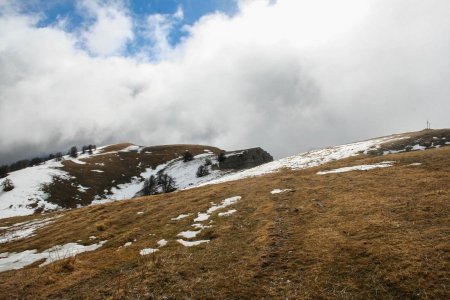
(14, 261)
(82, 189)
(193, 243)
(185, 173)
(28, 184)
(415, 164)
(418, 147)
(227, 202)
(201, 217)
(383, 164)
(162, 243)
(97, 171)
(77, 161)
(227, 213)
(182, 216)
(147, 251)
(127, 244)
(277, 191)
(189, 234)
(131, 148)
(200, 226)
(22, 230)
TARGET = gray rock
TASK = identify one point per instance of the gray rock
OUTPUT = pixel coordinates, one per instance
(244, 159)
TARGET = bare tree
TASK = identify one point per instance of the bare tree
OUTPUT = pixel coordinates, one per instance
(58, 156)
(150, 186)
(167, 184)
(202, 171)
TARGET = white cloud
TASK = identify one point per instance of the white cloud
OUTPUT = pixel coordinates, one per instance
(287, 76)
(158, 29)
(112, 28)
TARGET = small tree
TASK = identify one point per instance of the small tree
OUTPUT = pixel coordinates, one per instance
(90, 147)
(58, 156)
(221, 157)
(202, 171)
(18, 165)
(35, 161)
(73, 152)
(83, 149)
(187, 156)
(150, 186)
(7, 185)
(208, 162)
(4, 171)
(167, 184)
(51, 156)
(159, 177)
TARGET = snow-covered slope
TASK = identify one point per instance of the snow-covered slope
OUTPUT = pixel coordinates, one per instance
(310, 159)
(183, 173)
(27, 194)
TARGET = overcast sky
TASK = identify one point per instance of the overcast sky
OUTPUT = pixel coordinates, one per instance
(286, 75)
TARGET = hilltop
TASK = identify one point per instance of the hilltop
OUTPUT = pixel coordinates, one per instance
(115, 172)
(363, 220)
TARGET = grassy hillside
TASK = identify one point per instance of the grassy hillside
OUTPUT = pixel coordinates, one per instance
(110, 168)
(382, 233)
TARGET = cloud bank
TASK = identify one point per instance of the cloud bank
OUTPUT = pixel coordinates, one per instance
(288, 76)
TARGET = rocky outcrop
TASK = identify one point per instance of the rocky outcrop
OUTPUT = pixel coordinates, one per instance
(421, 140)
(244, 159)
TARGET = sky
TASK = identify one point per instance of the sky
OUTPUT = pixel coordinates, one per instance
(286, 75)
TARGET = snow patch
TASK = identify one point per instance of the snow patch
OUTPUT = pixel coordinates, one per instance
(278, 191)
(418, 147)
(227, 213)
(200, 226)
(193, 243)
(23, 230)
(82, 189)
(28, 182)
(182, 216)
(189, 234)
(162, 243)
(15, 261)
(201, 217)
(77, 161)
(131, 148)
(383, 164)
(227, 202)
(147, 251)
(97, 171)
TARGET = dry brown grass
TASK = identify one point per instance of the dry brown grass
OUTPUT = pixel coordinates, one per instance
(379, 234)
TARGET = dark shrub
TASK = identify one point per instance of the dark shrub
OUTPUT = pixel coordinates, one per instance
(187, 156)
